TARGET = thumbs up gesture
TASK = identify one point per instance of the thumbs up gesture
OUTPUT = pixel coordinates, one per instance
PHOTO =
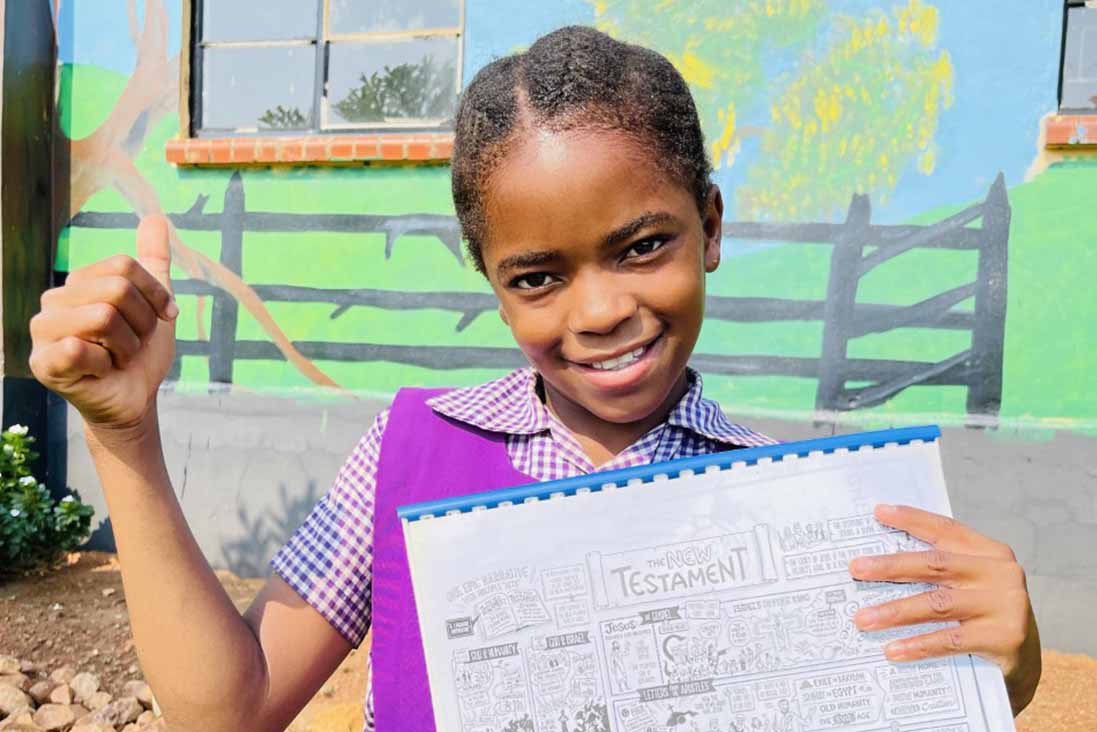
(106, 339)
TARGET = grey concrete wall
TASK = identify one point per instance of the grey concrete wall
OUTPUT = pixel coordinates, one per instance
(248, 468)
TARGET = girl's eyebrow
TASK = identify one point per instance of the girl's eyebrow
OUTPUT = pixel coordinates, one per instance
(612, 239)
(526, 259)
(644, 220)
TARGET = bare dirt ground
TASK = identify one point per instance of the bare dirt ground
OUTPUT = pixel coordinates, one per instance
(77, 616)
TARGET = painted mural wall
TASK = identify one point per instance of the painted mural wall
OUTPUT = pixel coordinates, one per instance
(898, 244)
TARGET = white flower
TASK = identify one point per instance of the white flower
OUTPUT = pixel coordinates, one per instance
(68, 499)
(27, 480)
(9, 450)
(15, 513)
(18, 429)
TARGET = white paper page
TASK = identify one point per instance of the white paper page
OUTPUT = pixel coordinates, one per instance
(719, 602)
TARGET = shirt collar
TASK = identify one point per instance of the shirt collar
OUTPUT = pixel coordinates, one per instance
(511, 405)
(705, 417)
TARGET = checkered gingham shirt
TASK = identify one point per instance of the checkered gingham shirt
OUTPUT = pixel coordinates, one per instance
(328, 560)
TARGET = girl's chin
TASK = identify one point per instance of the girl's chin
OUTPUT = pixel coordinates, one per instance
(625, 409)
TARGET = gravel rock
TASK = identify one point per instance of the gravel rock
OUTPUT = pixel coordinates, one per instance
(21, 722)
(89, 726)
(68, 701)
(119, 712)
(140, 691)
(61, 694)
(18, 680)
(40, 691)
(13, 700)
(63, 675)
(53, 717)
(79, 710)
(84, 685)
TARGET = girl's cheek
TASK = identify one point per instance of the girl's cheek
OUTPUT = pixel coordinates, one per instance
(534, 332)
(676, 288)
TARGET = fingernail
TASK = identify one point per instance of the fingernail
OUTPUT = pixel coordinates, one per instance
(896, 651)
(171, 309)
(860, 565)
(866, 618)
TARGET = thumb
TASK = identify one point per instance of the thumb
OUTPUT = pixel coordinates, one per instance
(154, 247)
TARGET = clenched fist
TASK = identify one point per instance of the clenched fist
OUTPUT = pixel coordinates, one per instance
(106, 339)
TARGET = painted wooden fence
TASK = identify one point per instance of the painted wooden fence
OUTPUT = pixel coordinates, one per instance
(858, 247)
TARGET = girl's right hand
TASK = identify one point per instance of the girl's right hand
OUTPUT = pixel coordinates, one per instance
(106, 339)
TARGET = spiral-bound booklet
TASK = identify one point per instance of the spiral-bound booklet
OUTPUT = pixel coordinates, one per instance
(707, 594)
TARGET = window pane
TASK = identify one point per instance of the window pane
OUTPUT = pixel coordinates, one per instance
(1080, 61)
(356, 16)
(378, 82)
(269, 20)
(266, 88)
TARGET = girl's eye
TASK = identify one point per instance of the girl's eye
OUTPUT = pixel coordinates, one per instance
(645, 247)
(531, 281)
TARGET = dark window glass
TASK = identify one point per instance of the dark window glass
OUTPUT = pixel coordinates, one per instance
(389, 82)
(258, 88)
(1080, 61)
(269, 20)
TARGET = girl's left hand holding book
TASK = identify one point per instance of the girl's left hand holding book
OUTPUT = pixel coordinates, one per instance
(979, 584)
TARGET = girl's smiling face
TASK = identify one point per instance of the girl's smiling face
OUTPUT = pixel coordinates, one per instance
(598, 258)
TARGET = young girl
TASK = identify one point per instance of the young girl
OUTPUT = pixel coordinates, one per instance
(582, 185)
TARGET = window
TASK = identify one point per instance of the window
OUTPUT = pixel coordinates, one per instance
(1078, 77)
(274, 67)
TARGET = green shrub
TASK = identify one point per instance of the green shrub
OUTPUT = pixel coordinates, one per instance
(35, 531)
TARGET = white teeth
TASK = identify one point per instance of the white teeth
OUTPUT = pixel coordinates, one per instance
(612, 364)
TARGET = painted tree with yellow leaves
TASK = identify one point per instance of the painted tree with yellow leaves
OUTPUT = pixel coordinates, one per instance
(838, 104)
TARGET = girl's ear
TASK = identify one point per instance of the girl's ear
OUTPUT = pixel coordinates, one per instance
(712, 223)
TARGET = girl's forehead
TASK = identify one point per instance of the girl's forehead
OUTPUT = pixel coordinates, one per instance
(575, 186)
(564, 151)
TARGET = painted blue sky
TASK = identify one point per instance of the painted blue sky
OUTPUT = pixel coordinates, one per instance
(97, 32)
(1006, 63)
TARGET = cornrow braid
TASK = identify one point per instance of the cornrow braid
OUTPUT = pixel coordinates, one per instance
(573, 78)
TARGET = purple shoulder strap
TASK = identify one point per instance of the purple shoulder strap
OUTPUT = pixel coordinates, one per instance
(424, 456)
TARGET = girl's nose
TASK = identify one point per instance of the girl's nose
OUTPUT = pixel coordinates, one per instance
(597, 307)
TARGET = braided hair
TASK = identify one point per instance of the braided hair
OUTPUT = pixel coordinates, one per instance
(573, 78)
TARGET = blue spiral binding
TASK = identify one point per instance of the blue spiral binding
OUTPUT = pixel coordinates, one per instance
(671, 469)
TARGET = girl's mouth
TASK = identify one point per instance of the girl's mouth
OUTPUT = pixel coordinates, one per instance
(613, 364)
(624, 370)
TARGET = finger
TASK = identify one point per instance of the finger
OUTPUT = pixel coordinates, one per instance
(68, 360)
(98, 322)
(979, 637)
(111, 289)
(943, 532)
(158, 296)
(937, 605)
(938, 568)
(154, 247)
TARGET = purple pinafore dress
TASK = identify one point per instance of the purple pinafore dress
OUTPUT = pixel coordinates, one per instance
(424, 456)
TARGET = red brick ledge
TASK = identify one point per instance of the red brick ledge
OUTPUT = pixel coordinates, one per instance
(1071, 131)
(311, 149)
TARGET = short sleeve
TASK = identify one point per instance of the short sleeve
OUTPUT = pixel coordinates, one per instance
(329, 559)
